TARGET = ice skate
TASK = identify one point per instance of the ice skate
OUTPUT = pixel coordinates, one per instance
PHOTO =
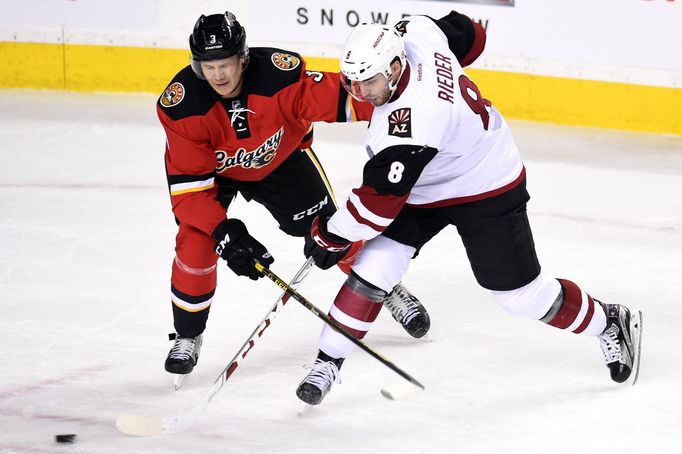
(408, 311)
(182, 358)
(621, 342)
(323, 374)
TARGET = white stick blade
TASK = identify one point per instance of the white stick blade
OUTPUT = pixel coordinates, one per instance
(397, 391)
(139, 426)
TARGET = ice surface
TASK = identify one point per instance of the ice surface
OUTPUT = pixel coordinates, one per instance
(86, 241)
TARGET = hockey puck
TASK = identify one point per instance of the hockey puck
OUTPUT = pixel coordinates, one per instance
(65, 438)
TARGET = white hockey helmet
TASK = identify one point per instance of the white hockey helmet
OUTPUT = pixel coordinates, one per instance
(369, 50)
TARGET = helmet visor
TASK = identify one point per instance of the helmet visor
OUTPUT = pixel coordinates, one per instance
(353, 88)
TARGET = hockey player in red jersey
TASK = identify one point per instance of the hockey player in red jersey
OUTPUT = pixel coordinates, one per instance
(443, 155)
(239, 120)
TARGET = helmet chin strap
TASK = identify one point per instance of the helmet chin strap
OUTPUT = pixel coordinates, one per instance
(392, 86)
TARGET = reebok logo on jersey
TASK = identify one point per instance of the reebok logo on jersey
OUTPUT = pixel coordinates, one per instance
(400, 123)
(173, 95)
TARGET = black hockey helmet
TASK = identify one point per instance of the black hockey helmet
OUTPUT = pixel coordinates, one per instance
(215, 37)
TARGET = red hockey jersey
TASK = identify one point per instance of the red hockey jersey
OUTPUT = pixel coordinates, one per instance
(247, 137)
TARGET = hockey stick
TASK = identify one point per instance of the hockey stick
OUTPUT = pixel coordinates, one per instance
(147, 426)
(321, 315)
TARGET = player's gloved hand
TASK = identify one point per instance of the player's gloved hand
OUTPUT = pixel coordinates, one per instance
(324, 247)
(239, 249)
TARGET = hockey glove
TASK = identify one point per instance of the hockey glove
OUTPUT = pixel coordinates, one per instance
(324, 247)
(239, 249)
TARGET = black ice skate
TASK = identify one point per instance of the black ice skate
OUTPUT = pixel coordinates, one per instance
(408, 311)
(323, 374)
(621, 342)
(182, 357)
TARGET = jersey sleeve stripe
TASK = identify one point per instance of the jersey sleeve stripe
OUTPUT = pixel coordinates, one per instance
(192, 186)
(366, 214)
(360, 220)
(347, 223)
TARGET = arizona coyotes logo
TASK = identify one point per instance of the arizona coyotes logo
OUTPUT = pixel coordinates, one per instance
(285, 62)
(401, 27)
(173, 95)
(400, 123)
(255, 159)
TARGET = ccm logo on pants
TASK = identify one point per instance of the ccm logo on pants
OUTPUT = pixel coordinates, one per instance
(312, 210)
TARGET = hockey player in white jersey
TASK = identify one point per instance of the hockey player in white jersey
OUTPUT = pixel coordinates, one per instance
(440, 154)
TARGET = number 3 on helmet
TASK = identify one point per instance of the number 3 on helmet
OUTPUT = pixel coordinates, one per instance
(369, 50)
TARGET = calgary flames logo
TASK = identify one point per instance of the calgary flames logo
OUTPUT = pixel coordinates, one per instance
(253, 159)
(173, 95)
(285, 62)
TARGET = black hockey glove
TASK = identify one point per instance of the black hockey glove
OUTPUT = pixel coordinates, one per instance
(239, 249)
(324, 247)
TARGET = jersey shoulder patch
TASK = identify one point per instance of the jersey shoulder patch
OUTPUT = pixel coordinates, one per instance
(400, 122)
(271, 70)
(401, 27)
(186, 95)
(285, 61)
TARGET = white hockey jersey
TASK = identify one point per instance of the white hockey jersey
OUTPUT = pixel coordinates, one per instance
(438, 142)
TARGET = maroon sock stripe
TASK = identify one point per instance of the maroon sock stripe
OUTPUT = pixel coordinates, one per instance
(570, 308)
(356, 305)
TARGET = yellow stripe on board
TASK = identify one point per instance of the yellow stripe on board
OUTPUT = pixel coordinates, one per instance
(88, 68)
(29, 65)
(582, 102)
(522, 96)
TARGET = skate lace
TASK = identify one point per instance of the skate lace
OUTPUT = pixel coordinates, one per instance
(610, 345)
(183, 348)
(402, 305)
(323, 374)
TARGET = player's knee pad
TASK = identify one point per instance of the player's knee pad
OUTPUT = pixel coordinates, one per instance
(383, 262)
(533, 300)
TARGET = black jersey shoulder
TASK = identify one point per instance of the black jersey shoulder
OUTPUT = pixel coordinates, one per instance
(459, 31)
(271, 70)
(187, 95)
(396, 169)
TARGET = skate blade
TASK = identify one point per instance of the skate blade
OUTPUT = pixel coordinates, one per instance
(636, 330)
(303, 409)
(179, 380)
